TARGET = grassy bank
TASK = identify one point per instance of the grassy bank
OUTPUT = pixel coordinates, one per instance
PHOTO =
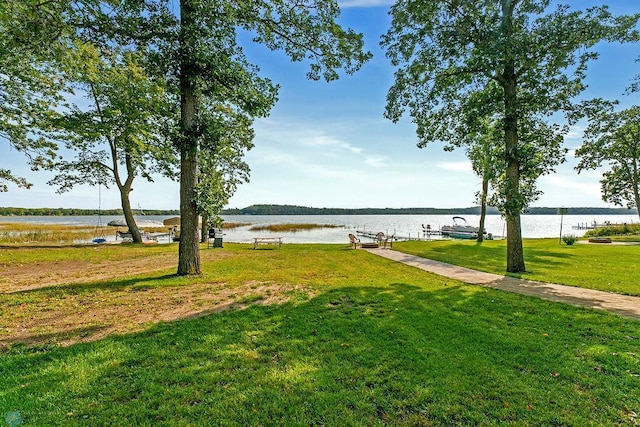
(352, 340)
(619, 232)
(611, 268)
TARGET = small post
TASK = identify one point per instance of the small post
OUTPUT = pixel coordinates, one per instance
(562, 212)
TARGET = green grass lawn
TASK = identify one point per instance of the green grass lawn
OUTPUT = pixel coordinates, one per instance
(373, 342)
(611, 268)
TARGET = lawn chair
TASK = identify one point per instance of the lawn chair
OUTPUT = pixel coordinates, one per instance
(355, 242)
(384, 240)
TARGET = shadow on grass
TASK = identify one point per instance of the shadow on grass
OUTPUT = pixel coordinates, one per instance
(41, 246)
(140, 283)
(81, 246)
(395, 354)
(70, 334)
(490, 257)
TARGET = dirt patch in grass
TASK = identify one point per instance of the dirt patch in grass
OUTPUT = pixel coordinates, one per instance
(16, 278)
(40, 308)
(95, 316)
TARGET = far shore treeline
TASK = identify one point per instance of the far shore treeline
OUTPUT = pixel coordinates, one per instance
(303, 210)
(75, 212)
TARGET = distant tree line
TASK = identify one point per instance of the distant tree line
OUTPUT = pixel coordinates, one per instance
(475, 210)
(304, 210)
(74, 212)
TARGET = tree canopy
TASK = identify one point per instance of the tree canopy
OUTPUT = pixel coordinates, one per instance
(30, 31)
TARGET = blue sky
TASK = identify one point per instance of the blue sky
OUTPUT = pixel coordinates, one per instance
(328, 144)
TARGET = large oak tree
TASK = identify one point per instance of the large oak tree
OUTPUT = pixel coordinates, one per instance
(536, 57)
(211, 66)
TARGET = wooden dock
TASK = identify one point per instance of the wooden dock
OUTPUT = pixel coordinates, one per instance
(423, 235)
(420, 235)
(590, 226)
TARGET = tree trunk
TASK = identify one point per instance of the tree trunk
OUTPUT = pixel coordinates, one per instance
(204, 230)
(189, 248)
(483, 208)
(635, 182)
(513, 205)
(128, 215)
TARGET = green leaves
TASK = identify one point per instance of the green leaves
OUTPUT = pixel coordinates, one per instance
(305, 31)
(121, 126)
(445, 52)
(29, 85)
(221, 162)
(613, 139)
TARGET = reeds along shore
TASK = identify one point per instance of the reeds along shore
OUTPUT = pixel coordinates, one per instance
(292, 228)
(30, 233)
(26, 233)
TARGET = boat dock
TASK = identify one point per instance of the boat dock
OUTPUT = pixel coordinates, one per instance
(423, 235)
(590, 225)
(459, 230)
(420, 235)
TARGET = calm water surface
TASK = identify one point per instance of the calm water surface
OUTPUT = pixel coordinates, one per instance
(405, 226)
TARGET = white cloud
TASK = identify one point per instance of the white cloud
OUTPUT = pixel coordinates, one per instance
(330, 142)
(455, 166)
(376, 161)
(583, 185)
(270, 156)
(575, 132)
(293, 134)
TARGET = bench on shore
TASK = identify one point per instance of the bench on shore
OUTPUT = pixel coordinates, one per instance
(600, 240)
(267, 241)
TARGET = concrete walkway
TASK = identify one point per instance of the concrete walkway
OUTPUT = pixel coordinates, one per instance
(623, 305)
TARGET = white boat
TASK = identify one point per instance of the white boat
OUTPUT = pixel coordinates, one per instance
(460, 229)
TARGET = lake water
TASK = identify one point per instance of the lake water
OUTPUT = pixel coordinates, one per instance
(405, 226)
